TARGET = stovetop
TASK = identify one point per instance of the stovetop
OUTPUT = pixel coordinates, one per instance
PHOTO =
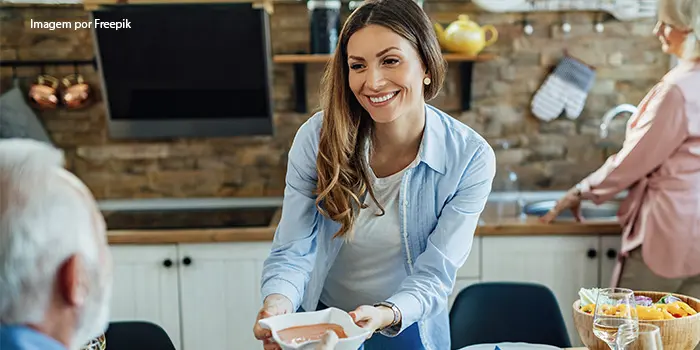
(189, 218)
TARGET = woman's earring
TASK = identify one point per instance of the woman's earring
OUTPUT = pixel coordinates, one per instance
(426, 81)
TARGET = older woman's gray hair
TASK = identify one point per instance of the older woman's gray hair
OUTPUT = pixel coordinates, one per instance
(685, 14)
(47, 215)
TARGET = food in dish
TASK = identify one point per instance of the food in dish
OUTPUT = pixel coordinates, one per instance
(666, 308)
(313, 332)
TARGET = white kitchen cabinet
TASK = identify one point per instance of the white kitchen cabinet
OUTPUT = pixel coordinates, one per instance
(472, 267)
(469, 273)
(220, 294)
(208, 296)
(609, 249)
(205, 296)
(145, 289)
(562, 263)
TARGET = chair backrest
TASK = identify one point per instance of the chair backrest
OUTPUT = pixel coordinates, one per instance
(495, 312)
(137, 335)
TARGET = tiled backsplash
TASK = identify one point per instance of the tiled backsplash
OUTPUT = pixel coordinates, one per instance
(545, 155)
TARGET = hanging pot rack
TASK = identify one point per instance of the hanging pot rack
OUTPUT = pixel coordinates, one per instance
(44, 63)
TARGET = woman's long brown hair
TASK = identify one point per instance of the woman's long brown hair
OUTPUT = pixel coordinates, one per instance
(343, 176)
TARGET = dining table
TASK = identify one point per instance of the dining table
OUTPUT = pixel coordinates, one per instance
(481, 346)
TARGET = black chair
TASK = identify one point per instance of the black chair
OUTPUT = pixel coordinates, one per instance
(496, 312)
(137, 335)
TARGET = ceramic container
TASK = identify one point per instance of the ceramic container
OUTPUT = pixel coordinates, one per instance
(355, 335)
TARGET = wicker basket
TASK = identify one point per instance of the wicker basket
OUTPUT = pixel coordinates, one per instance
(677, 334)
(99, 343)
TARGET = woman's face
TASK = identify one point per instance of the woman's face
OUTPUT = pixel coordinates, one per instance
(671, 36)
(386, 73)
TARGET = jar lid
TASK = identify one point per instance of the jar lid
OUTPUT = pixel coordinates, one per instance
(323, 4)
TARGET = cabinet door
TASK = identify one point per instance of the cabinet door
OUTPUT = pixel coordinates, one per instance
(472, 267)
(145, 289)
(561, 263)
(469, 273)
(220, 290)
(610, 248)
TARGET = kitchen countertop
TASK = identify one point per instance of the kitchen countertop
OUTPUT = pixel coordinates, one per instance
(496, 220)
(511, 227)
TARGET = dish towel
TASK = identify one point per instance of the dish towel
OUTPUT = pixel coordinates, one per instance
(17, 120)
(566, 89)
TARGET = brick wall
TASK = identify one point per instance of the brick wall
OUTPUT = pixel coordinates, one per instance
(546, 156)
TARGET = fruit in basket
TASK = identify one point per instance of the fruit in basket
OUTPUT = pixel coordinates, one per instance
(677, 333)
(643, 300)
(666, 308)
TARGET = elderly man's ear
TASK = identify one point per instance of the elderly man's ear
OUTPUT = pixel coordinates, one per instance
(72, 281)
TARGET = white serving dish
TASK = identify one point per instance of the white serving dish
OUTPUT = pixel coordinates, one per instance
(511, 346)
(356, 335)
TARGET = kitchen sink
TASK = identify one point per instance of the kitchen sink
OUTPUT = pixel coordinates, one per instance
(589, 210)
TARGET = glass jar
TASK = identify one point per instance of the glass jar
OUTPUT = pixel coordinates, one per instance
(352, 5)
(324, 16)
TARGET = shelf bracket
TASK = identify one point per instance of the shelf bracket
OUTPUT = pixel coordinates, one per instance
(466, 70)
(300, 87)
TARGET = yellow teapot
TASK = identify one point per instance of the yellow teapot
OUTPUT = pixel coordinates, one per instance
(465, 36)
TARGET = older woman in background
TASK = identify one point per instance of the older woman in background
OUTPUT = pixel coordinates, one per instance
(659, 164)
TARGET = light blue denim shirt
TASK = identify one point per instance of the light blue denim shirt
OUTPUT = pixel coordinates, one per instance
(18, 337)
(441, 200)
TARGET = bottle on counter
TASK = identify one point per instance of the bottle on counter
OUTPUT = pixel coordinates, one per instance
(506, 181)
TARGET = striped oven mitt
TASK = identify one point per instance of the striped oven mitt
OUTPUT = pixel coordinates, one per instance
(566, 89)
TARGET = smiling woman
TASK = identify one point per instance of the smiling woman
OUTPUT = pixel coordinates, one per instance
(384, 191)
(390, 77)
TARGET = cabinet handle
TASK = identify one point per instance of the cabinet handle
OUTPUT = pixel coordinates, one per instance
(612, 253)
(592, 253)
(167, 263)
(187, 261)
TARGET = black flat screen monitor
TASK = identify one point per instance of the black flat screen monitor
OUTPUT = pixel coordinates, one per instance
(185, 70)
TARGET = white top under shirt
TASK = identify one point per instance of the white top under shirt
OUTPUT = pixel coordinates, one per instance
(370, 268)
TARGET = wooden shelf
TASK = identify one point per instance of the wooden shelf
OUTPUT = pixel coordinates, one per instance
(465, 62)
(323, 58)
(93, 5)
(303, 58)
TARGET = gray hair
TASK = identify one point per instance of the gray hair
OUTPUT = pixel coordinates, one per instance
(45, 217)
(686, 14)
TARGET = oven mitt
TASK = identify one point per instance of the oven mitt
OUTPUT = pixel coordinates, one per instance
(566, 89)
(17, 120)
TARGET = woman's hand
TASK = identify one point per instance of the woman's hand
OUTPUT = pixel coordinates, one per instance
(372, 317)
(275, 304)
(571, 200)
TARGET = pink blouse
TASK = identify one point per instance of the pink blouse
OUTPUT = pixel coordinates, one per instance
(659, 164)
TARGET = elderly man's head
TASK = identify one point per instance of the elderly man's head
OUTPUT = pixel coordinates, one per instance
(55, 266)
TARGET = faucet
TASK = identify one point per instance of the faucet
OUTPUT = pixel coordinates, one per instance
(609, 115)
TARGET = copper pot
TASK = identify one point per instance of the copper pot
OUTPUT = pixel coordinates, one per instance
(75, 92)
(42, 94)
